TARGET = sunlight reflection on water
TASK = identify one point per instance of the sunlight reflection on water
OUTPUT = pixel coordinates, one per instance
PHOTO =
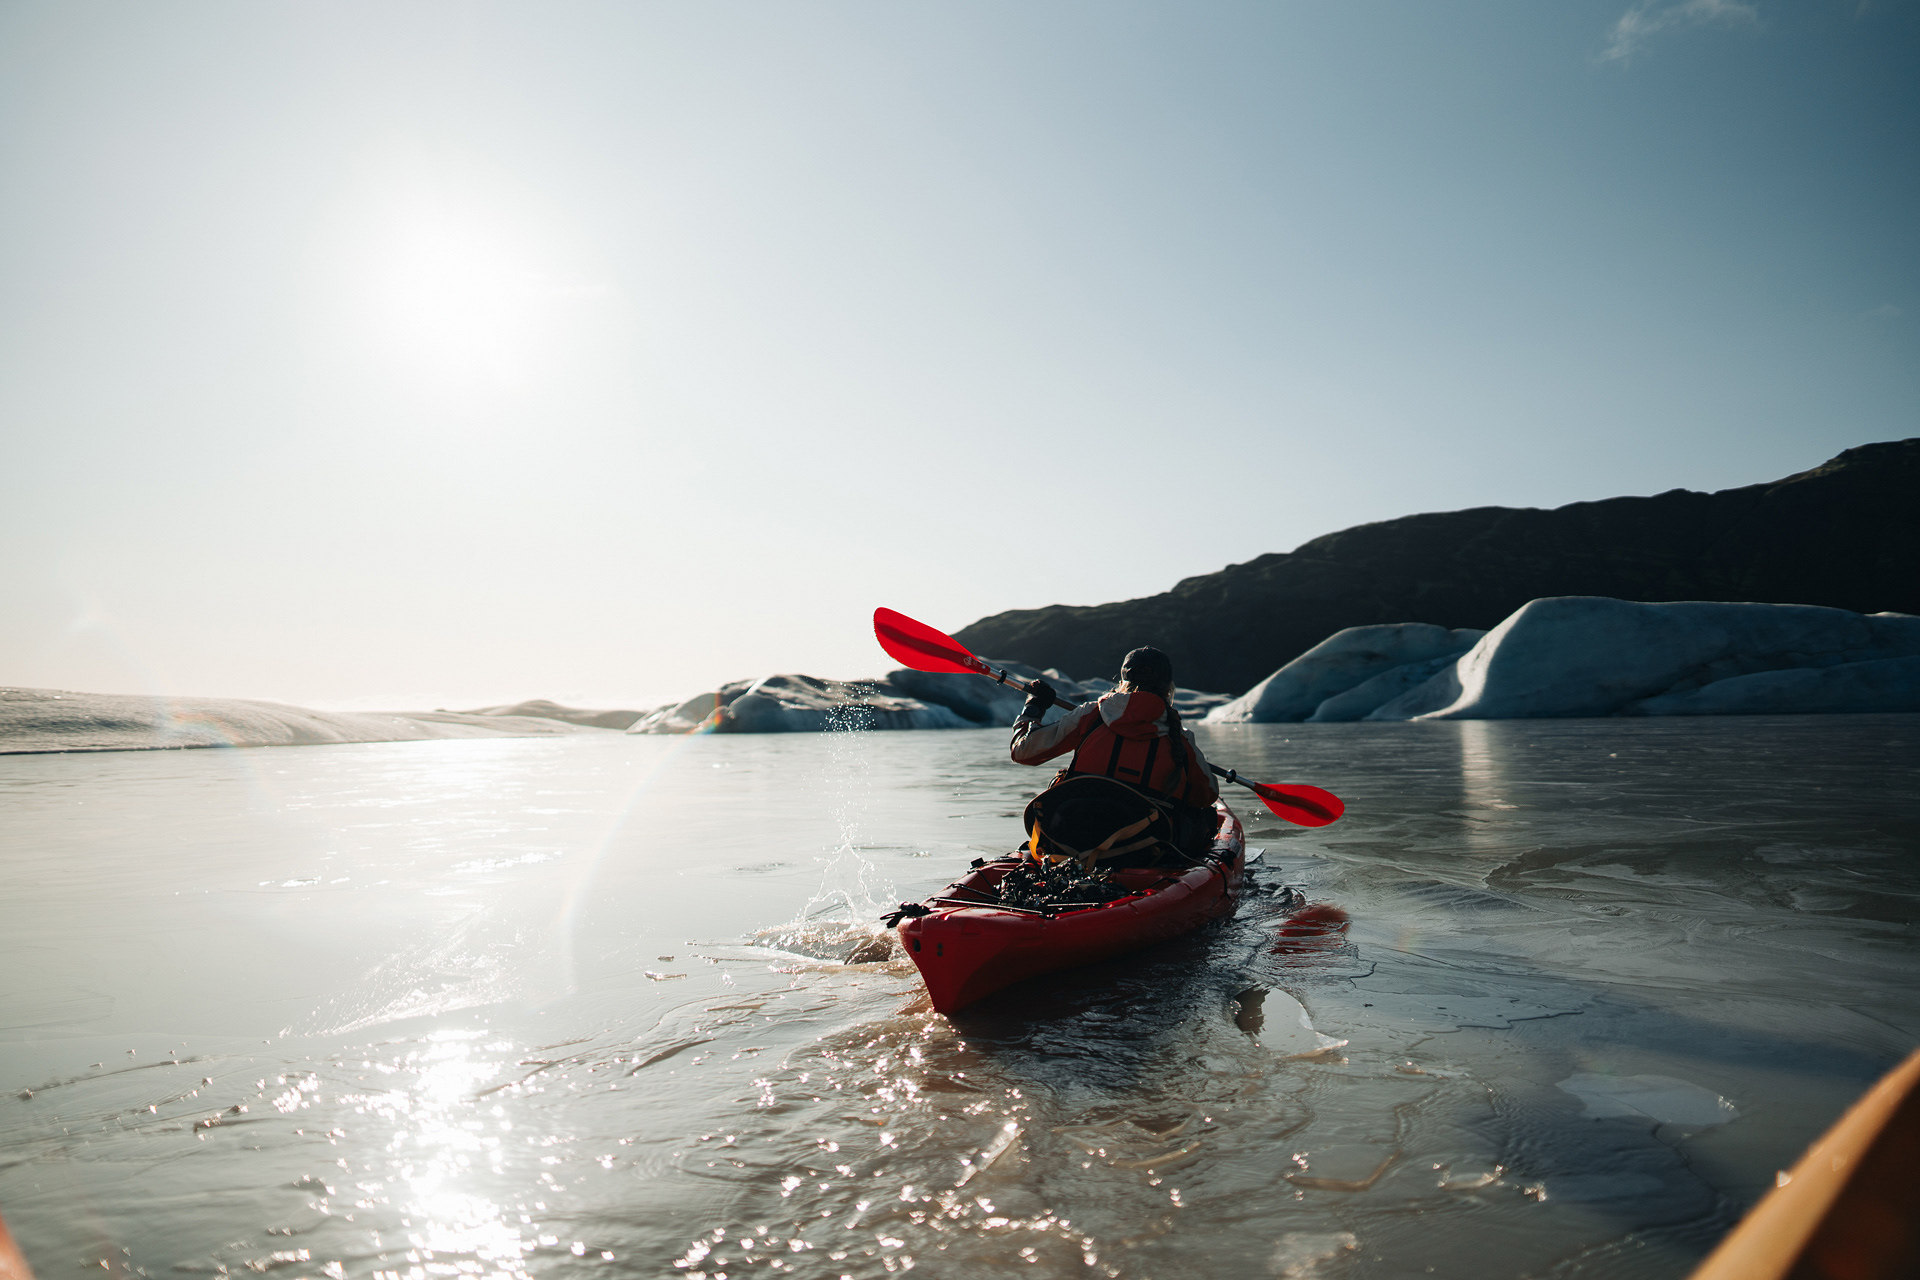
(517, 1008)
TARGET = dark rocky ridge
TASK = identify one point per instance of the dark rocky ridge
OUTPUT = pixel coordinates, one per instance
(1845, 534)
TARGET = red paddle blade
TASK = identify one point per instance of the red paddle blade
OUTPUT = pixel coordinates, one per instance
(1300, 804)
(919, 646)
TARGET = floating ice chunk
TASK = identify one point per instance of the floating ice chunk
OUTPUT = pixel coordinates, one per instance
(1468, 1179)
(1280, 1023)
(973, 1166)
(1298, 1254)
(1662, 1099)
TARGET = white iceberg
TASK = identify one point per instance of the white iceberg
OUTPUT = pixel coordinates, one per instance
(700, 713)
(33, 720)
(1367, 697)
(1344, 660)
(1596, 656)
(790, 703)
(1881, 684)
(982, 701)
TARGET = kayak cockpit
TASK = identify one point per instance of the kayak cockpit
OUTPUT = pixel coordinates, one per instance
(967, 943)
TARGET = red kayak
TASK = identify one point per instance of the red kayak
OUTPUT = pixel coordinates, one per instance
(966, 951)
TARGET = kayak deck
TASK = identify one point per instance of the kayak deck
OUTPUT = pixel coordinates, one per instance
(966, 952)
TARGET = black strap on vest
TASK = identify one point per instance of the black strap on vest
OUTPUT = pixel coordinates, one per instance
(1177, 736)
(1119, 745)
(1177, 741)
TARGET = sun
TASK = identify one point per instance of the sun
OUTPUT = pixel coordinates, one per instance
(450, 282)
(456, 293)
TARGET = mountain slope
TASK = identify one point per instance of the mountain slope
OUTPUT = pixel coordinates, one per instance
(1845, 534)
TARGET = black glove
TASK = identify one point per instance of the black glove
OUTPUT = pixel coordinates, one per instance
(1039, 698)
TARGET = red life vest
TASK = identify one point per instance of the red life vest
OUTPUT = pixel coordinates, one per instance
(1129, 747)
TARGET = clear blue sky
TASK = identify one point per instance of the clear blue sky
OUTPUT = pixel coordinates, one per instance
(452, 353)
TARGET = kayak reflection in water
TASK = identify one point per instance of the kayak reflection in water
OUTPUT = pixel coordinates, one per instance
(1137, 782)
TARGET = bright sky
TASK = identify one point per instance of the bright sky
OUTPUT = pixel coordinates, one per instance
(443, 354)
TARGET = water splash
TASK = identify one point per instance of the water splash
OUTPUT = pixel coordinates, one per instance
(851, 885)
(840, 921)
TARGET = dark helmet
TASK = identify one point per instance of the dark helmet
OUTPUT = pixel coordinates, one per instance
(1147, 668)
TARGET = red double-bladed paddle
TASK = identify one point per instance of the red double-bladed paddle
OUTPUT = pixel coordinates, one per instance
(917, 645)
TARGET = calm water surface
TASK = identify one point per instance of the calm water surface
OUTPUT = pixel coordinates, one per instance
(578, 1007)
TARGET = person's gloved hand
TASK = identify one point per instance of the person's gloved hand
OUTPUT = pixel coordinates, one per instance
(1039, 698)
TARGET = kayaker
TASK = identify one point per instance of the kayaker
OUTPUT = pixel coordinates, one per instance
(1132, 735)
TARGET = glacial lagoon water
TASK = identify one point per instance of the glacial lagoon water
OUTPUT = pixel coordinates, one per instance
(579, 1006)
